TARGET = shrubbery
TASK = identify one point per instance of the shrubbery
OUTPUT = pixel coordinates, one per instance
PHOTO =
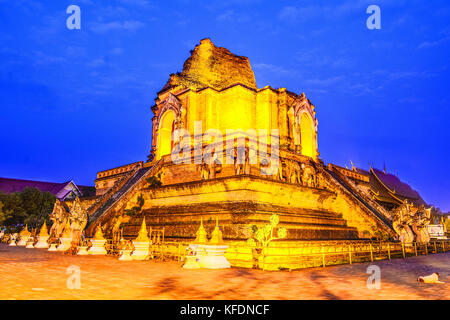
(31, 207)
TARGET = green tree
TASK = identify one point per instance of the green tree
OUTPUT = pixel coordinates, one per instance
(2, 214)
(136, 209)
(262, 236)
(447, 223)
(12, 213)
(154, 181)
(30, 206)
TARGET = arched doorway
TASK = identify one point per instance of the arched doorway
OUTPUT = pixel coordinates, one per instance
(307, 136)
(166, 128)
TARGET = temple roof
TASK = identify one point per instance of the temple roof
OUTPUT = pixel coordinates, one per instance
(8, 186)
(16, 185)
(215, 67)
(394, 187)
(87, 191)
(384, 186)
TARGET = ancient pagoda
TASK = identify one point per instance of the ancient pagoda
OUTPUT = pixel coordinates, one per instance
(222, 148)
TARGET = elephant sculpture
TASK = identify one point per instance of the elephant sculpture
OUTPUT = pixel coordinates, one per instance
(241, 160)
(309, 176)
(209, 171)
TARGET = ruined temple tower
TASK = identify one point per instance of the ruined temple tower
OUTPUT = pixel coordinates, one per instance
(216, 92)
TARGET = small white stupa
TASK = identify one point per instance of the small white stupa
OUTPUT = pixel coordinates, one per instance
(215, 251)
(141, 244)
(98, 243)
(30, 242)
(53, 246)
(42, 238)
(125, 252)
(195, 250)
(24, 235)
(12, 241)
(83, 248)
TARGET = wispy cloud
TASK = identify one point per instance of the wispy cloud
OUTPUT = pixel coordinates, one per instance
(333, 11)
(227, 15)
(296, 13)
(409, 74)
(96, 63)
(129, 25)
(116, 51)
(266, 67)
(143, 3)
(324, 81)
(429, 44)
(289, 13)
(318, 57)
(43, 58)
(232, 16)
(49, 28)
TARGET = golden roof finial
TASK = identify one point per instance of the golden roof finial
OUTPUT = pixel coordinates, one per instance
(44, 231)
(216, 236)
(201, 233)
(143, 234)
(353, 166)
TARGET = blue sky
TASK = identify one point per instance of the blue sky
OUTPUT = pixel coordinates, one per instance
(78, 101)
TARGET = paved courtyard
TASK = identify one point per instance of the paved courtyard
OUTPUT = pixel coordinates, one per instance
(39, 274)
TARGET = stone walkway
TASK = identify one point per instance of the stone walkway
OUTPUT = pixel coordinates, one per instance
(39, 274)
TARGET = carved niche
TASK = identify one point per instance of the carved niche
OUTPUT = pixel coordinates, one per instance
(171, 102)
(300, 105)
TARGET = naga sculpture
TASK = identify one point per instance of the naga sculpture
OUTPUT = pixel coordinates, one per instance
(59, 217)
(419, 224)
(402, 221)
(78, 220)
(408, 218)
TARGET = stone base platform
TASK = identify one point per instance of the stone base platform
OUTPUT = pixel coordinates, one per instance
(240, 202)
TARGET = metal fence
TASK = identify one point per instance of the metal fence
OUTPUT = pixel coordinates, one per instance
(297, 255)
(290, 258)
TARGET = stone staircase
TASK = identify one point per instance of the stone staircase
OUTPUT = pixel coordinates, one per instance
(109, 200)
(351, 191)
(103, 198)
(361, 193)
